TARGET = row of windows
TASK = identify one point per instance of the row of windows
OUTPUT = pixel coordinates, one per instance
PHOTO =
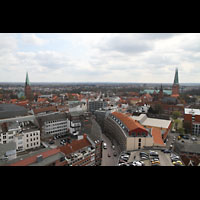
(56, 131)
(50, 125)
(56, 121)
(32, 134)
(35, 143)
(56, 127)
(32, 140)
(84, 162)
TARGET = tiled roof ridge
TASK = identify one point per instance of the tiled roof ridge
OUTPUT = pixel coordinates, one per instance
(128, 121)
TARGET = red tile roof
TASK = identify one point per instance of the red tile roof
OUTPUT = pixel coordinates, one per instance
(74, 146)
(129, 122)
(32, 159)
(45, 109)
(157, 136)
(41, 99)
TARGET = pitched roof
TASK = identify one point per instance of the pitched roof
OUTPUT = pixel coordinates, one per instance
(129, 122)
(44, 109)
(74, 146)
(157, 136)
(32, 159)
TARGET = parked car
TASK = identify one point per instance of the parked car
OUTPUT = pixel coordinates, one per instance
(104, 145)
(115, 154)
(124, 156)
(144, 158)
(153, 153)
(186, 137)
(155, 162)
(51, 142)
(193, 139)
(109, 155)
(143, 154)
(113, 147)
(167, 151)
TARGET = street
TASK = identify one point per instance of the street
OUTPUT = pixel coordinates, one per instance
(112, 160)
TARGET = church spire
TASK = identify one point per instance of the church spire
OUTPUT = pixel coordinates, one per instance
(176, 77)
(27, 79)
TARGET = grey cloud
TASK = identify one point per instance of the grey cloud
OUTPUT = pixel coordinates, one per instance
(125, 44)
(158, 36)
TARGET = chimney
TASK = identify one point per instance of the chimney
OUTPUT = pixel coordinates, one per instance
(85, 136)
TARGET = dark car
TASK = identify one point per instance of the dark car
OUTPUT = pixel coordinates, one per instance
(167, 151)
(144, 153)
(51, 142)
(186, 137)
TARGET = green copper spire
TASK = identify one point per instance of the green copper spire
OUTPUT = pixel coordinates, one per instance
(176, 77)
(27, 79)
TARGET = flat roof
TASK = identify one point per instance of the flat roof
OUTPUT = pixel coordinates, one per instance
(146, 121)
(192, 111)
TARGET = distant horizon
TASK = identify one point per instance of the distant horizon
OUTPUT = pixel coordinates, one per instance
(111, 82)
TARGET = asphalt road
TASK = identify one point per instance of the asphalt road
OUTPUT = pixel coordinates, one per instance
(112, 160)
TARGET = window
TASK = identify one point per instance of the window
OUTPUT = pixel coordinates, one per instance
(27, 145)
(27, 140)
(139, 140)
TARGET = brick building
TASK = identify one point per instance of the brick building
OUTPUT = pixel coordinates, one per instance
(192, 120)
(79, 152)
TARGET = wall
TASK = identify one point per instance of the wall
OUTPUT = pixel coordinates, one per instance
(132, 142)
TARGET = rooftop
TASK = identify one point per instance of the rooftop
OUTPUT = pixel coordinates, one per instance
(75, 146)
(192, 111)
(146, 121)
(157, 136)
(11, 110)
(129, 122)
(32, 159)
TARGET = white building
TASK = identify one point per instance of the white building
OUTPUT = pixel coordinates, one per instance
(17, 129)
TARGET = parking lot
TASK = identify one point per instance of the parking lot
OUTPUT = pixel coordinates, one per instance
(148, 158)
(59, 140)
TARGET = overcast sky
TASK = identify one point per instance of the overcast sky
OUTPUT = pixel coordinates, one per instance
(100, 57)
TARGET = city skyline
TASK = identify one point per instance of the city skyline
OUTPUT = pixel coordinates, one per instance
(99, 57)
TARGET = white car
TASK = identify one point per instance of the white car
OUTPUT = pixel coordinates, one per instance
(104, 145)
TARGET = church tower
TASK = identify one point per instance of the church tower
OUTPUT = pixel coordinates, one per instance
(28, 93)
(161, 94)
(175, 86)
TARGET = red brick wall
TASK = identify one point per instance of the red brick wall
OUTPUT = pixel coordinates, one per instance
(197, 118)
(188, 118)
